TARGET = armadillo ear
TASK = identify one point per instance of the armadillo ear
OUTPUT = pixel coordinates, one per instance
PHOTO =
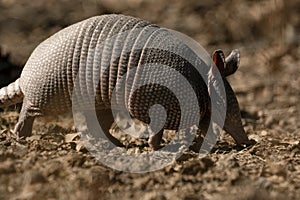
(232, 62)
(219, 60)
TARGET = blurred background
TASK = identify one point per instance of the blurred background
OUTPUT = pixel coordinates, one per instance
(247, 24)
(267, 84)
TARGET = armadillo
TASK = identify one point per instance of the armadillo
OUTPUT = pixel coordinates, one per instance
(46, 83)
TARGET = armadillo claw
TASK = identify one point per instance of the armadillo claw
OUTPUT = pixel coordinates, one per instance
(24, 127)
(154, 140)
(247, 143)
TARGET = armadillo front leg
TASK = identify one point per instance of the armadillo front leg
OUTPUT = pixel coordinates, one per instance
(106, 119)
(154, 140)
(27, 115)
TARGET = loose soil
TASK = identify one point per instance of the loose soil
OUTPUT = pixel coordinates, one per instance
(52, 164)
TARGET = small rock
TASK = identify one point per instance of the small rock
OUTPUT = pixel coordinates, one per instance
(264, 133)
(269, 121)
(154, 196)
(7, 167)
(264, 182)
(260, 114)
(282, 123)
(36, 177)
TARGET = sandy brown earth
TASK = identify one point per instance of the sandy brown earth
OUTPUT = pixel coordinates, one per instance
(52, 165)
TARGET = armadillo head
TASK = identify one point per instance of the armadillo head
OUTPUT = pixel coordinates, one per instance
(233, 123)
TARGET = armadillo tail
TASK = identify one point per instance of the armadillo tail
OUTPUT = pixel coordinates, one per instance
(11, 94)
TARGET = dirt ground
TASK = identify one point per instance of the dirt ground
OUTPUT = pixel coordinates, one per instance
(52, 165)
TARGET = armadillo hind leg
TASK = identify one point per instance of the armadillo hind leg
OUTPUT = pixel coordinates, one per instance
(106, 119)
(26, 118)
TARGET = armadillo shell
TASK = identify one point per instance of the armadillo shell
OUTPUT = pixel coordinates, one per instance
(114, 61)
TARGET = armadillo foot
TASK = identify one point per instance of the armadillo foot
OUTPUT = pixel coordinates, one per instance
(247, 143)
(106, 119)
(27, 115)
(24, 127)
(239, 135)
(154, 140)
